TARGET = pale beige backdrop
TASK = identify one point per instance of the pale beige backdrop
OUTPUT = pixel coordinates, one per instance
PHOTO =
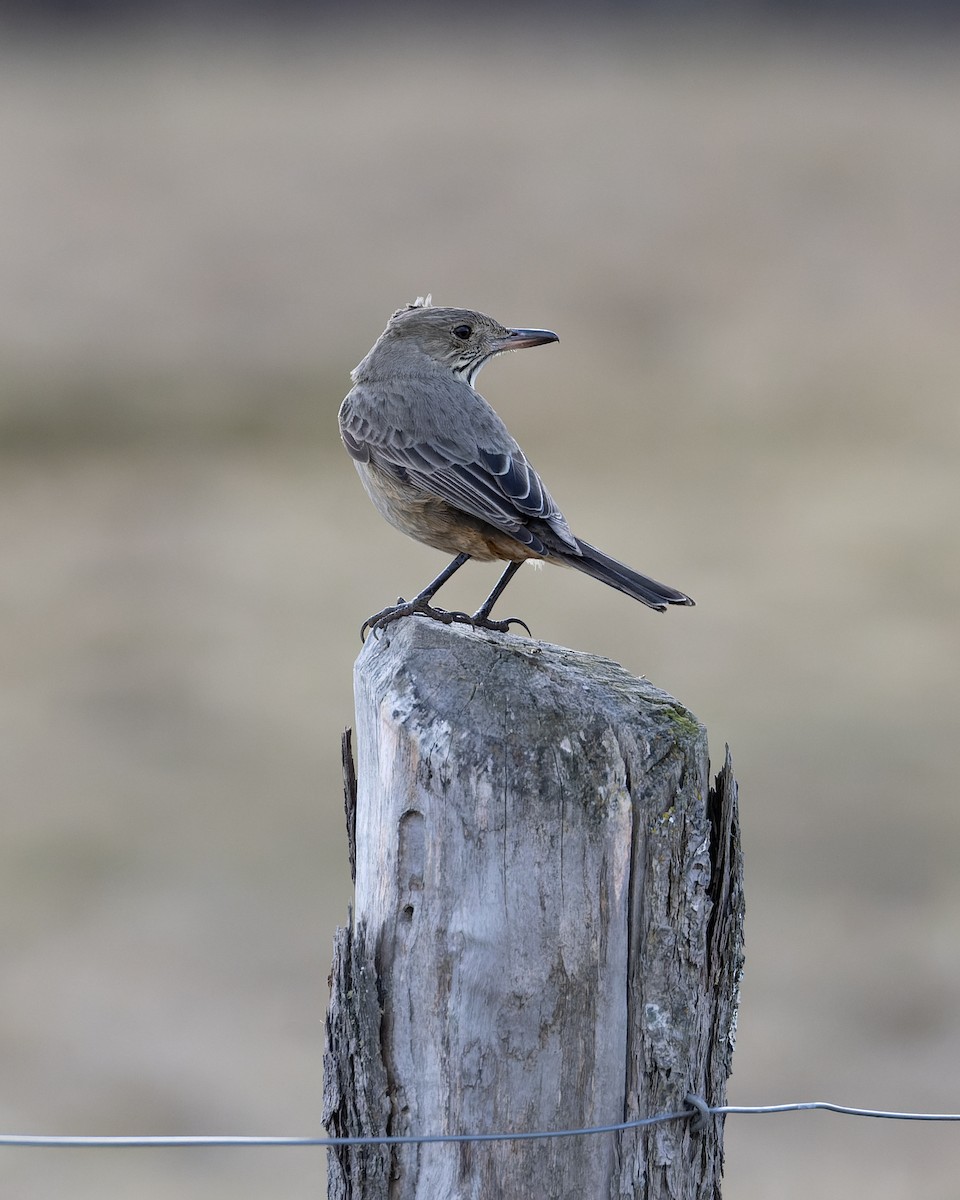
(748, 245)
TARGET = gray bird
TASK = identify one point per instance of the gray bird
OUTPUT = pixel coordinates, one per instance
(440, 465)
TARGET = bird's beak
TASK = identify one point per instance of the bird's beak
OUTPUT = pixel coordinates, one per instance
(517, 339)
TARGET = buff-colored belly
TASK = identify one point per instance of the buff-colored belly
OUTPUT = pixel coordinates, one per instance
(432, 521)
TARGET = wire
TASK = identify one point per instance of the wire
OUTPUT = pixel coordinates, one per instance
(826, 1106)
(13, 1139)
(697, 1113)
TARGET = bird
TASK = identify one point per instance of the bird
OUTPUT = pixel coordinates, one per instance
(440, 465)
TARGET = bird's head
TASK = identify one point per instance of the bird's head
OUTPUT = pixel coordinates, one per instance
(424, 337)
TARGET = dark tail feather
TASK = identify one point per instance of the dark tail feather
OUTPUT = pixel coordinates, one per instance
(595, 563)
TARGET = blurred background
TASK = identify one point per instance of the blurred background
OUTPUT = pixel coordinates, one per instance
(745, 232)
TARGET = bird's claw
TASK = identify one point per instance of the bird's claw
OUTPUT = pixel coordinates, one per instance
(403, 608)
(479, 621)
(503, 626)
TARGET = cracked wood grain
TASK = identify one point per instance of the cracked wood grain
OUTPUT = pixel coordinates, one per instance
(548, 928)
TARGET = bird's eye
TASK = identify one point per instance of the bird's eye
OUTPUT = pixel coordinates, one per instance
(462, 332)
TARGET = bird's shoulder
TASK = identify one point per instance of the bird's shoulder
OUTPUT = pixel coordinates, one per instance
(448, 415)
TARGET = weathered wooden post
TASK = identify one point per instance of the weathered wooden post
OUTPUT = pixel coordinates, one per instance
(548, 926)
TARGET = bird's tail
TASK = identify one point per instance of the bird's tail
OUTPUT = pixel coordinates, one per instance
(600, 566)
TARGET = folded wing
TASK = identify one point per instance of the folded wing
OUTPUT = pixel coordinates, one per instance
(493, 482)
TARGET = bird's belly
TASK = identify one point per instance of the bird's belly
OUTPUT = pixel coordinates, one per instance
(430, 520)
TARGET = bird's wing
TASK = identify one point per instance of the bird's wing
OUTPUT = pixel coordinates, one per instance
(497, 485)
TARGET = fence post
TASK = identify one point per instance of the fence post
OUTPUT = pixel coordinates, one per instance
(547, 932)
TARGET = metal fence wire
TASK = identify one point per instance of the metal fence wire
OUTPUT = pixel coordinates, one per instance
(697, 1112)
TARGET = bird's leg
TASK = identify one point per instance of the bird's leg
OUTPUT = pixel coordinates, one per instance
(481, 618)
(419, 604)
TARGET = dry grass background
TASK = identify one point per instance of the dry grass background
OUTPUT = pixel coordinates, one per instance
(748, 247)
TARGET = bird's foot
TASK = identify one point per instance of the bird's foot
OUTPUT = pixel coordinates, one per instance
(406, 608)
(480, 621)
(418, 607)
